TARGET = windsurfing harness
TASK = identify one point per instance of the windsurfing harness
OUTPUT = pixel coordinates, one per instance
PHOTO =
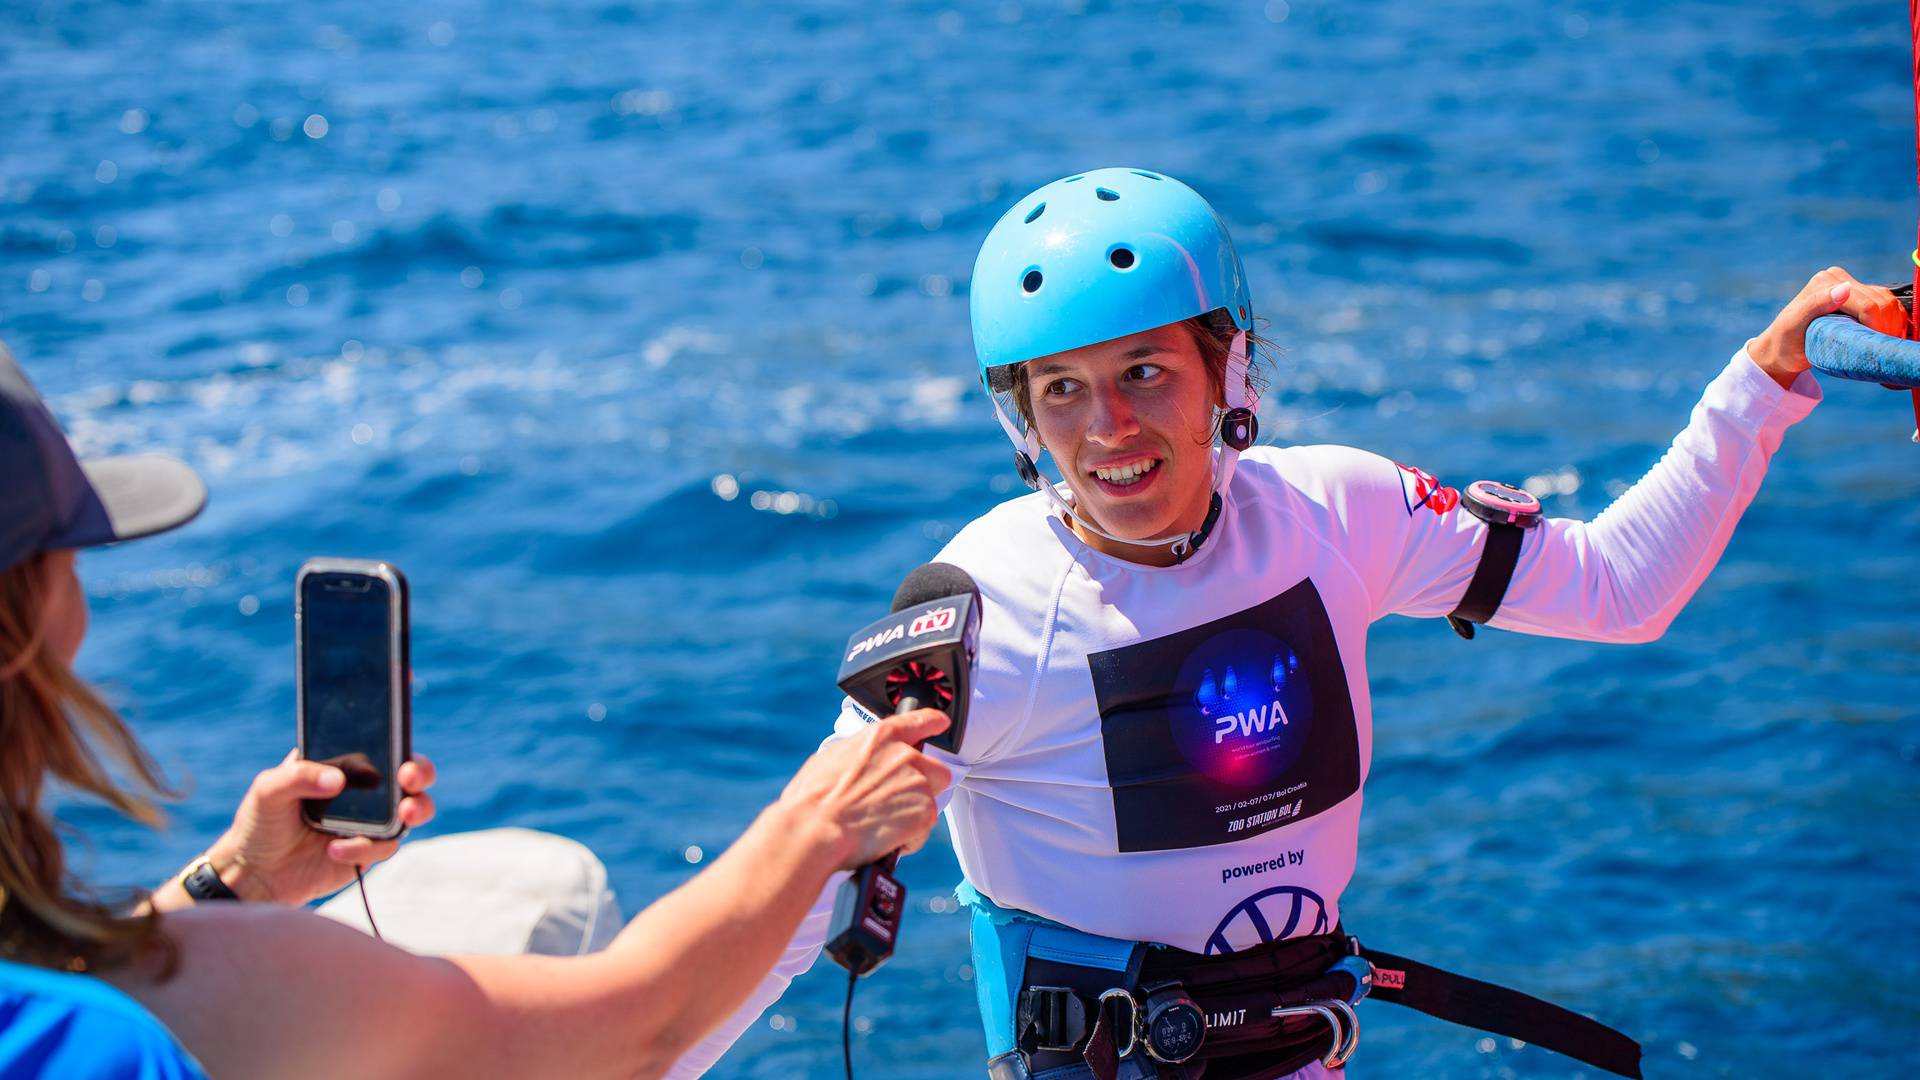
(1066, 1005)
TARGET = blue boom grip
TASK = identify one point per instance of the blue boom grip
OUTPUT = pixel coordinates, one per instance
(1839, 346)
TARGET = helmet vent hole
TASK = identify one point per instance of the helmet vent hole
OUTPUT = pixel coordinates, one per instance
(1071, 179)
(1034, 214)
(1031, 282)
(1148, 175)
(1107, 194)
(1121, 258)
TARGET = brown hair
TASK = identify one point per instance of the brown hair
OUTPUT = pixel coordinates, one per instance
(1212, 335)
(53, 724)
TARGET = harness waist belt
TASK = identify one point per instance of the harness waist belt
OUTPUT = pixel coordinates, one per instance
(1071, 1004)
(1240, 1021)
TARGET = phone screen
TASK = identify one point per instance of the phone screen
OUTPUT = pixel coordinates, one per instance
(346, 653)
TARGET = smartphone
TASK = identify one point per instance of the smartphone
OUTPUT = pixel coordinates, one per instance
(354, 706)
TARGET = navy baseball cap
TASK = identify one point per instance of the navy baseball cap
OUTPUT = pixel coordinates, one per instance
(50, 500)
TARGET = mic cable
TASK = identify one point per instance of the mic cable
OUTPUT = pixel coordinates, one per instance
(846, 1024)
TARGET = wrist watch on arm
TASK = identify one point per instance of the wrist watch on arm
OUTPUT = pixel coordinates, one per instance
(202, 882)
(1508, 512)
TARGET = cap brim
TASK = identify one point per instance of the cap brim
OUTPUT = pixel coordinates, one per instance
(142, 494)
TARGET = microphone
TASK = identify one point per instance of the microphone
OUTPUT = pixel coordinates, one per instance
(920, 656)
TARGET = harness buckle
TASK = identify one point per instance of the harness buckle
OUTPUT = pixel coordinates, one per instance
(1331, 1011)
(1123, 1003)
(1053, 1018)
(1360, 971)
(1341, 1054)
(1332, 998)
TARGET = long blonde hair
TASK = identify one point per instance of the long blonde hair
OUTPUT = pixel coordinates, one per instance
(53, 724)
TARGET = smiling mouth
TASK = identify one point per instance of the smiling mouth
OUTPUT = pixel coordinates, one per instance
(1129, 474)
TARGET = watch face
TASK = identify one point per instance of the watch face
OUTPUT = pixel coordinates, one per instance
(1504, 497)
(1175, 1031)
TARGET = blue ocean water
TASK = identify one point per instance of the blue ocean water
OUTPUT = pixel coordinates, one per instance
(636, 334)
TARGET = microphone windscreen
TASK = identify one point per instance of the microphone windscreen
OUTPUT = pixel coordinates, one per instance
(933, 581)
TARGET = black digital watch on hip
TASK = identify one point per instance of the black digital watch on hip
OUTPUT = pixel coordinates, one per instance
(1174, 1025)
(1509, 512)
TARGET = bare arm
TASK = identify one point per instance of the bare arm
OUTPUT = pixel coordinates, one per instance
(274, 993)
(270, 853)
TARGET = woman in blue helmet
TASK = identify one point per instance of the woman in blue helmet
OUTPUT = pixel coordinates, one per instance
(1170, 727)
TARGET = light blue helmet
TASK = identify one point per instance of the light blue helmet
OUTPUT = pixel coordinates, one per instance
(1098, 256)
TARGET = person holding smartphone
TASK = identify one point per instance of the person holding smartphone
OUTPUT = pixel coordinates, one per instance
(186, 986)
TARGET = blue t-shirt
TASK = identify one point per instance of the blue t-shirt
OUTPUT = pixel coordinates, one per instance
(76, 1027)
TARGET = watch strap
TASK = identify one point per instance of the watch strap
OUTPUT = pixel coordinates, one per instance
(202, 882)
(1490, 579)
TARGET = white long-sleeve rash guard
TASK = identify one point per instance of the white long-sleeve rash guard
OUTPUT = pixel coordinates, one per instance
(1176, 754)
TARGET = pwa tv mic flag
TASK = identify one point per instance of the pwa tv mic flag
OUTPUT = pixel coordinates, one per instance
(923, 652)
(920, 656)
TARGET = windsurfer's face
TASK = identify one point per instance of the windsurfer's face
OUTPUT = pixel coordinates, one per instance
(1129, 423)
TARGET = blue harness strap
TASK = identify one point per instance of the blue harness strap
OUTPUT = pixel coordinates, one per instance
(1069, 946)
(1004, 939)
(1000, 941)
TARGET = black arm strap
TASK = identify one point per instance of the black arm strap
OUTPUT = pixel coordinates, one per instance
(1490, 579)
(1470, 1002)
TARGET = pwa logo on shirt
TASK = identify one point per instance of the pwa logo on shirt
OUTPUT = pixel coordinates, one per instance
(1270, 915)
(1419, 488)
(1216, 697)
(1209, 731)
(1252, 722)
(1246, 718)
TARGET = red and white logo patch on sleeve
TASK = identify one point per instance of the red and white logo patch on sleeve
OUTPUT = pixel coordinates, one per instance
(1421, 489)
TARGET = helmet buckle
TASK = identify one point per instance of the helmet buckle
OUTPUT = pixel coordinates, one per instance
(1239, 427)
(1029, 473)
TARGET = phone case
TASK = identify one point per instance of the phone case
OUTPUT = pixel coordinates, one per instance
(400, 671)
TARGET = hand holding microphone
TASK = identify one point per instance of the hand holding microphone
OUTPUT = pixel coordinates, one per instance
(921, 655)
(875, 790)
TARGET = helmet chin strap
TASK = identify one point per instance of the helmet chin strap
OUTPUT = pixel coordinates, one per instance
(1237, 427)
